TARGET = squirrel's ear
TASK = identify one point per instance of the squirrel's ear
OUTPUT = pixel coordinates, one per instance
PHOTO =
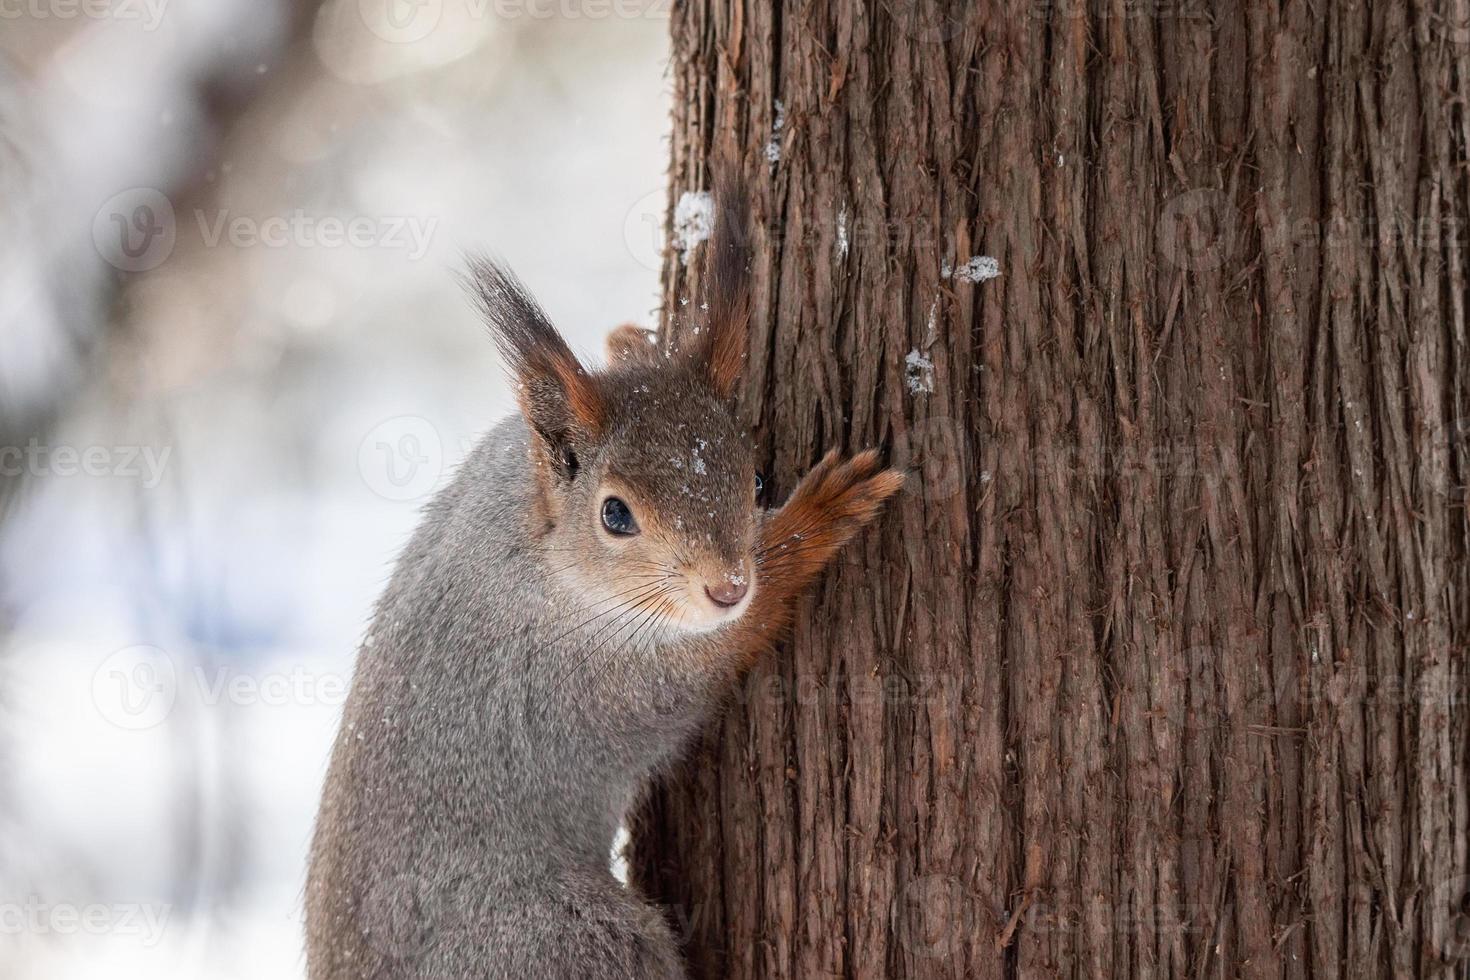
(719, 349)
(558, 397)
(631, 344)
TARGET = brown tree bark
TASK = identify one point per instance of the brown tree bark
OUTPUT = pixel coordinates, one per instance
(1158, 666)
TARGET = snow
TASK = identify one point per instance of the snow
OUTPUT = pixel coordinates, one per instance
(978, 269)
(620, 843)
(773, 148)
(920, 371)
(694, 220)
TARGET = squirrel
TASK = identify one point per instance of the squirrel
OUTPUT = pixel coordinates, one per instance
(572, 609)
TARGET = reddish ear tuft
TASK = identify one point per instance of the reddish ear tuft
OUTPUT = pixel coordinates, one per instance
(721, 346)
(583, 398)
(556, 394)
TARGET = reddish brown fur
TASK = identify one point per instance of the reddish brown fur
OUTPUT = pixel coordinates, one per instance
(554, 377)
(720, 347)
(834, 501)
(725, 356)
(631, 344)
(584, 400)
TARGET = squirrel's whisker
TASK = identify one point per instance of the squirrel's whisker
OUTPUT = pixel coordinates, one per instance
(631, 642)
(650, 593)
(633, 620)
(643, 590)
(604, 601)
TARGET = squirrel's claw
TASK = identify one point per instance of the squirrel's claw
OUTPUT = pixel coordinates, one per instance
(835, 500)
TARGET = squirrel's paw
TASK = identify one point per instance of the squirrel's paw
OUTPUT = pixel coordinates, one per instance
(847, 491)
(831, 504)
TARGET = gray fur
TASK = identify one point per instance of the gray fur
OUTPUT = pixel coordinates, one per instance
(497, 728)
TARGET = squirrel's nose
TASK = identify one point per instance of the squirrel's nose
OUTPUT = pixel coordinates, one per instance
(727, 593)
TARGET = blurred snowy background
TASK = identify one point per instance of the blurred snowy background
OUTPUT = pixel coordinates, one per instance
(234, 363)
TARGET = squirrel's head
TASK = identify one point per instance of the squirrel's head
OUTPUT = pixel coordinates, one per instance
(645, 477)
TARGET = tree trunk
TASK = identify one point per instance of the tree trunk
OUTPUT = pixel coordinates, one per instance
(1157, 667)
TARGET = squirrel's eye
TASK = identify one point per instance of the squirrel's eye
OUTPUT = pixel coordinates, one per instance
(760, 483)
(617, 518)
